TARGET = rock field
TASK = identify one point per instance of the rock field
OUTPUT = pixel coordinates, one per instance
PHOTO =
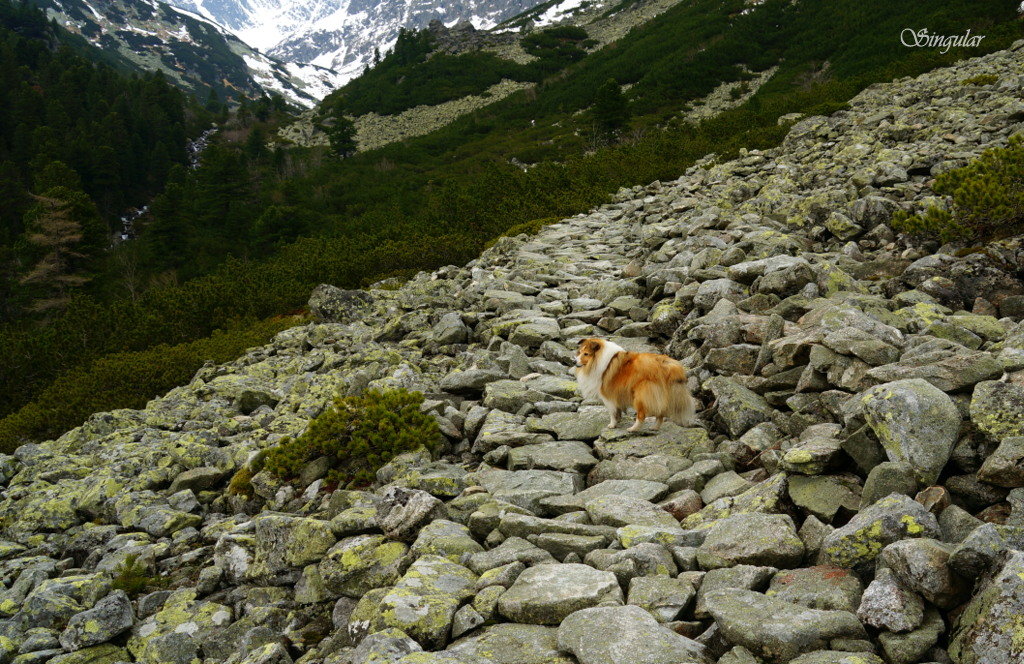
(852, 494)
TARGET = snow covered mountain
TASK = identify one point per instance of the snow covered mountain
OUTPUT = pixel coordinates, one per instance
(342, 34)
(191, 50)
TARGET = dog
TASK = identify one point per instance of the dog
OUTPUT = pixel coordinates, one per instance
(653, 384)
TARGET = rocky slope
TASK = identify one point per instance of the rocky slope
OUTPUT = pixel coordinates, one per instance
(853, 493)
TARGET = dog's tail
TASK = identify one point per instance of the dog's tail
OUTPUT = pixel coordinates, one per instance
(684, 406)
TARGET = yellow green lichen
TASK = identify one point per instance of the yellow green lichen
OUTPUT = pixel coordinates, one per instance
(912, 526)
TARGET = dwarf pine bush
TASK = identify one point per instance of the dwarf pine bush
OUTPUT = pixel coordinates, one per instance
(358, 434)
(987, 195)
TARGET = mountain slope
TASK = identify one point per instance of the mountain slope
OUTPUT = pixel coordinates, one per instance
(341, 34)
(191, 51)
(794, 337)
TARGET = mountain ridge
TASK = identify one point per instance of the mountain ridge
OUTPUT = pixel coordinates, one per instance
(189, 49)
(342, 34)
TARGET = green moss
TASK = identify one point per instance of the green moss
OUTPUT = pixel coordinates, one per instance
(241, 483)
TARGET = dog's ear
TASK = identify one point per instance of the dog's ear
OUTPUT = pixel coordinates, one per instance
(590, 345)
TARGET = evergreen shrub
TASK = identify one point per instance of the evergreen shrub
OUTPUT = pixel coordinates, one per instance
(358, 434)
(987, 199)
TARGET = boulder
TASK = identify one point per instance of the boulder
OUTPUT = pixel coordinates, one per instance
(916, 423)
(330, 304)
(358, 564)
(751, 539)
(820, 587)
(625, 635)
(860, 542)
(111, 616)
(1005, 466)
(922, 565)
(889, 606)
(509, 643)
(997, 408)
(989, 629)
(547, 593)
(775, 630)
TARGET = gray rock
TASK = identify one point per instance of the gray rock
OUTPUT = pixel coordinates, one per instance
(752, 539)
(775, 630)
(1005, 466)
(838, 657)
(663, 597)
(330, 304)
(402, 512)
(988, 630)
(547, 593)
(739, 408)
(916, 424)
(888, 605)
(445, 538)
(422, 603)
(389, 645)
(450, 329)
(910, 647)
(111, 616)
(197, 479)
(625, 635)
(470, 382)
(744, 577)
(819, 587)
(586, 424)
(887, 478)
(922, 565)
(512, 550)
(566, 455)
(527, 488)
(948, 366)
(859, 542)
(997, 408)
(723, 485)
(509, 643)
(957, 524)
(618, 510)
(822, 496)
(985, 545)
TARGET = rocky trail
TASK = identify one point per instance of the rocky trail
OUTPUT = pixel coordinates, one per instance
(853, 494)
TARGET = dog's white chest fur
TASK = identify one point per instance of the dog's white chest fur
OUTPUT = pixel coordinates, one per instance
(590, 381)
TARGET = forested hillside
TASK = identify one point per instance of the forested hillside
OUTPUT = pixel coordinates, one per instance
(79, 144)
(249, 233)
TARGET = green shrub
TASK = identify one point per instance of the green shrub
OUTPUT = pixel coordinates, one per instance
(988, 199)
(980, 79)
(132, 577)
(358, 434)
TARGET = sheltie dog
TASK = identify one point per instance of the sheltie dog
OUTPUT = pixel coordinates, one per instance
(654, 385)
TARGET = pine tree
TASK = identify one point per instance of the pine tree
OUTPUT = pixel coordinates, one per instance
(341, 132)
(611, 110)
(61, 227)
